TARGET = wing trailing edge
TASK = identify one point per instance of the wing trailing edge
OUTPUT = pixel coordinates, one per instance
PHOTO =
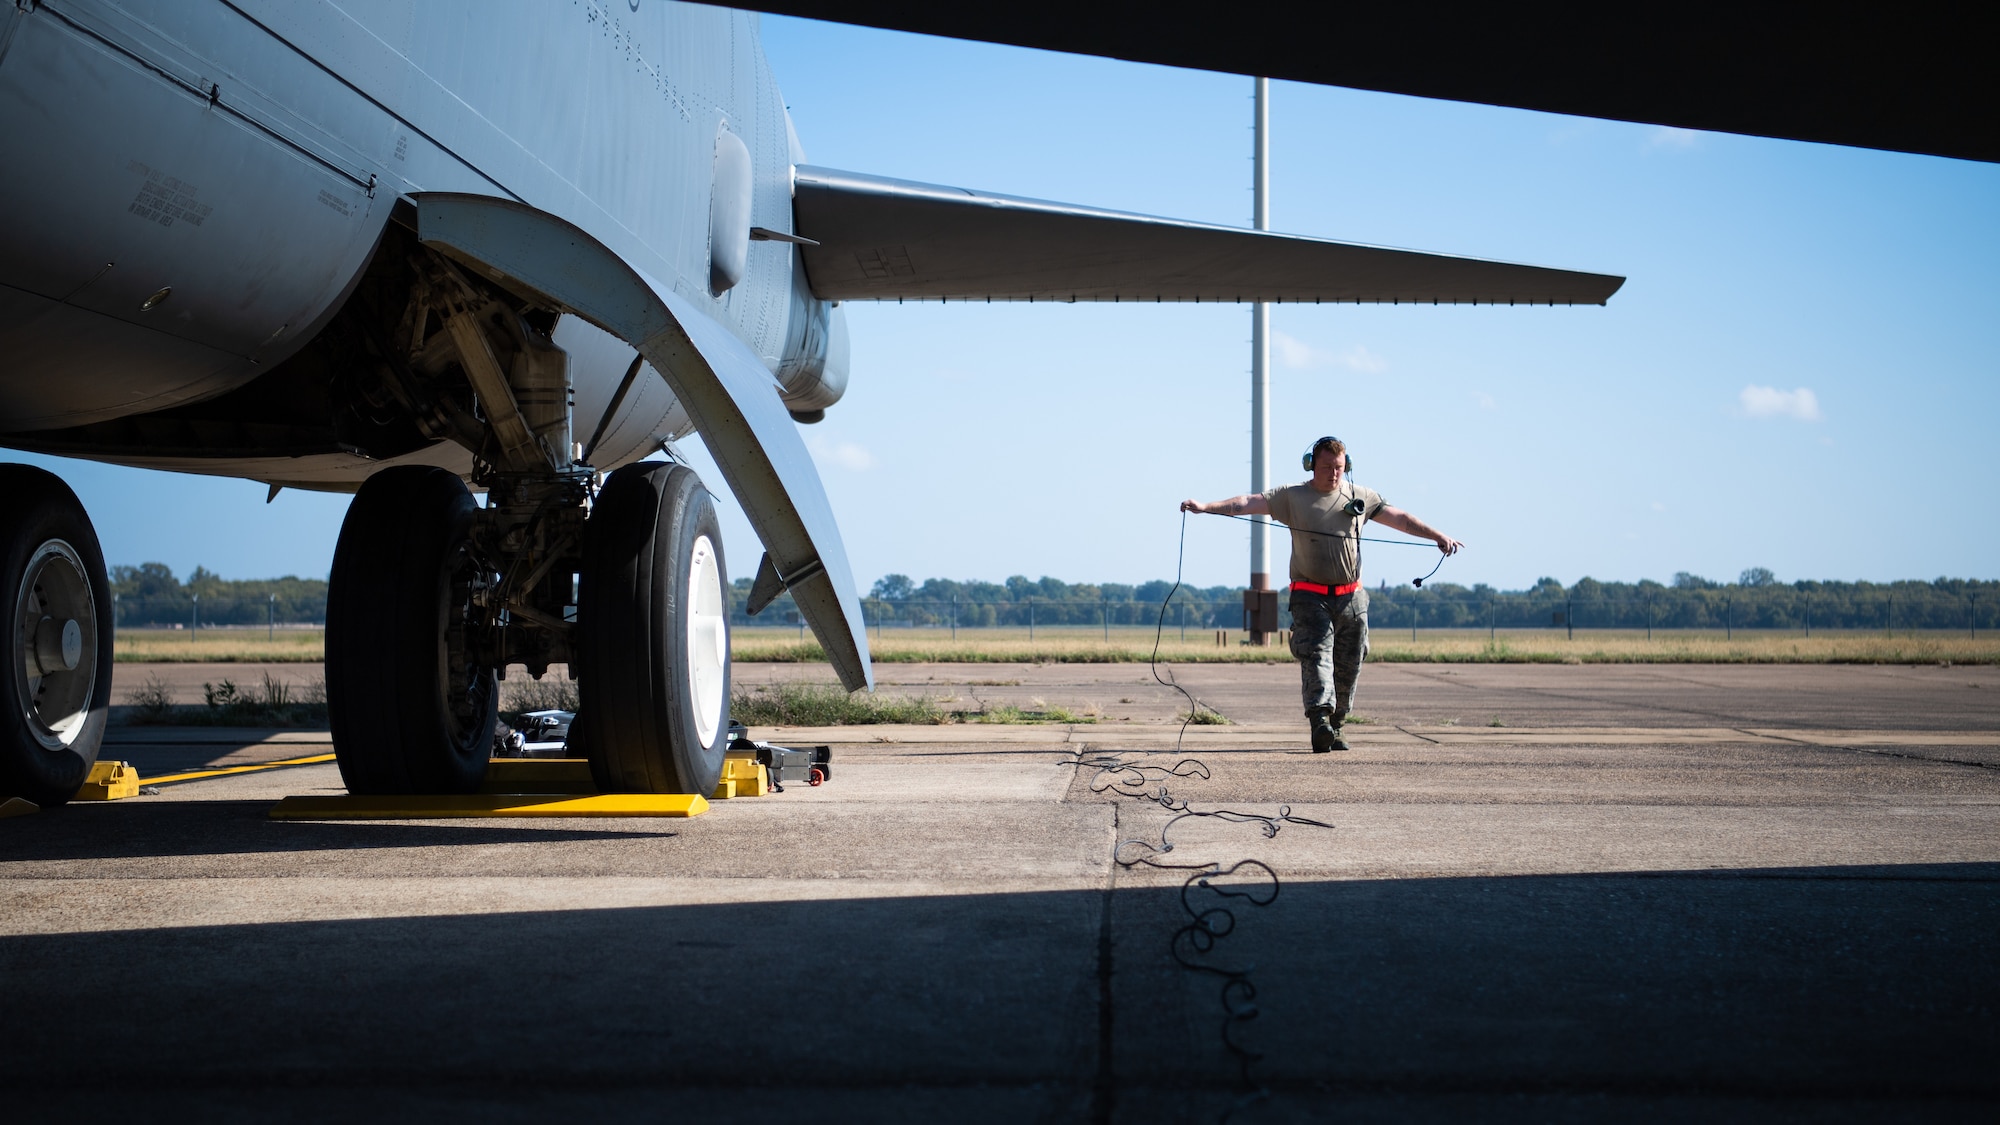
(886, 239)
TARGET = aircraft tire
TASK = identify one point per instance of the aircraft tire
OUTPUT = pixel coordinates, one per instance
(653, 652)
(56, 602)
(409, 712)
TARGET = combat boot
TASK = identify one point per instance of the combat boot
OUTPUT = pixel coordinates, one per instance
(1337, 719)
(1325, 736)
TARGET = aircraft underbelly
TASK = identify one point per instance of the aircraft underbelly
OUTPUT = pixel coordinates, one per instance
(317, 472)
(163, 245)
(61, 365)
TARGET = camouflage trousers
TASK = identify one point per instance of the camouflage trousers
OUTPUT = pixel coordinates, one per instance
(1330, 639)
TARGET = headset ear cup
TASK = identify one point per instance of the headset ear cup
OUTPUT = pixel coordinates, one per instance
(1306, 462)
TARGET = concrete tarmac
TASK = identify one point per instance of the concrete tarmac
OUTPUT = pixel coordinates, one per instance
(1651, 892)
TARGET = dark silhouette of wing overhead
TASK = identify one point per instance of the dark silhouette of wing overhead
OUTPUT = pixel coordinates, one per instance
(1910, 77)
(892, 239)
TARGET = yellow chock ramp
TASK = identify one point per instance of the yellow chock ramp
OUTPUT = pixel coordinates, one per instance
(742, 776)
(488, 805)
(18, 806)
(109, 781)
(515, 787)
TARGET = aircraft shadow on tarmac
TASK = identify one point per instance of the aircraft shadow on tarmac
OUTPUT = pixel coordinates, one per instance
(146, 829)
(1831, 993)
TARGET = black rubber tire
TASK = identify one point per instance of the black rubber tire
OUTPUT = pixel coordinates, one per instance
(398, 724)
(37, 508)
(633, 617)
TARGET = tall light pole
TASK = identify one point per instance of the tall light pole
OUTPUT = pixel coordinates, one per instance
(1261, 608)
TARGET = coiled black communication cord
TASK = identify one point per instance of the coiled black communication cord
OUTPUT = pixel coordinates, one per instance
(1205, 926)
(1159, 631)
(1196, 939)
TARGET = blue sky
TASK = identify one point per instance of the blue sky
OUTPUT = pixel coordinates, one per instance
(1797, 375)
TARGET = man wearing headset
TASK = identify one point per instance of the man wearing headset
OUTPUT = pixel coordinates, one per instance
(1329, 605)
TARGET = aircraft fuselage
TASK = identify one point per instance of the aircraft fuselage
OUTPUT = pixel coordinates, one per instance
(198, 188)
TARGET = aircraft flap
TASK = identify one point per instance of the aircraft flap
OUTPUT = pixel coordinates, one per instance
(726, 388)
(882, 238)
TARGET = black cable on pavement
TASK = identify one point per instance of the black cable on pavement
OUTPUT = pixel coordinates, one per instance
(1159, 631)
(1206, 925)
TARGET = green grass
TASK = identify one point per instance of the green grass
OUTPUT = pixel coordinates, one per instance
(228, 704)
(1083, 645)
(220, 646)
(1008, 713)
(1134, 645)
(1002, 646)
(827, 705)
(1691, 646)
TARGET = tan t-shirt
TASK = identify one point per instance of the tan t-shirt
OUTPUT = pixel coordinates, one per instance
(1332, 558)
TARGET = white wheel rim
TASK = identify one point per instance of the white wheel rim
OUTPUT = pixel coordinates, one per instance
(707, 640)
(55, 645)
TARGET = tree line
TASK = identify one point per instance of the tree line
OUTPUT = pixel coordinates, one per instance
(1756, 600)
(149, 596)
(1019, 601)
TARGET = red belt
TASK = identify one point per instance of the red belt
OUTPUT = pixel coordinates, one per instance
(1335, 591)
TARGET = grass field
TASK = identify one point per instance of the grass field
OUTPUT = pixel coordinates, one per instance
(272, 703)
(220, 646)
(1087, 645)
(825, 705)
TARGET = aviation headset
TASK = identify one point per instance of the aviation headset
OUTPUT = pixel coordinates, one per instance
(1353, 507)
(1307, 460)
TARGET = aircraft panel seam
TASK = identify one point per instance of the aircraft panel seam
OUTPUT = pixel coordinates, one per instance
(214, 98)
(552, 184)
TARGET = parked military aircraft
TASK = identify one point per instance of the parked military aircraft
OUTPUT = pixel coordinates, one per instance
(395, 247)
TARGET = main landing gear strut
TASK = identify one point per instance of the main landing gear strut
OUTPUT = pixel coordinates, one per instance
(433, 595)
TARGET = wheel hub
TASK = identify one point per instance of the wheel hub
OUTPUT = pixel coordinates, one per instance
(57, 669)
(707, 640)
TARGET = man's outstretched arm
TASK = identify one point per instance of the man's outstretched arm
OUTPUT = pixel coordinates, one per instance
(1248, 504)
(1410, 525)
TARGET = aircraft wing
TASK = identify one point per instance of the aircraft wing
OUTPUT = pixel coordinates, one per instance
(881, 239)
(727, 390)
(1911, 77)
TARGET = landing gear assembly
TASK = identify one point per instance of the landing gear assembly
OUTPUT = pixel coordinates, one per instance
(654, 662)
(433, 594)
(411, 703)
(449, 336)
(57, 666)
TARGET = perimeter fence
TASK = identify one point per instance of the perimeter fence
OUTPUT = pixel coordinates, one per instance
(194, 611)
(1725, 610)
